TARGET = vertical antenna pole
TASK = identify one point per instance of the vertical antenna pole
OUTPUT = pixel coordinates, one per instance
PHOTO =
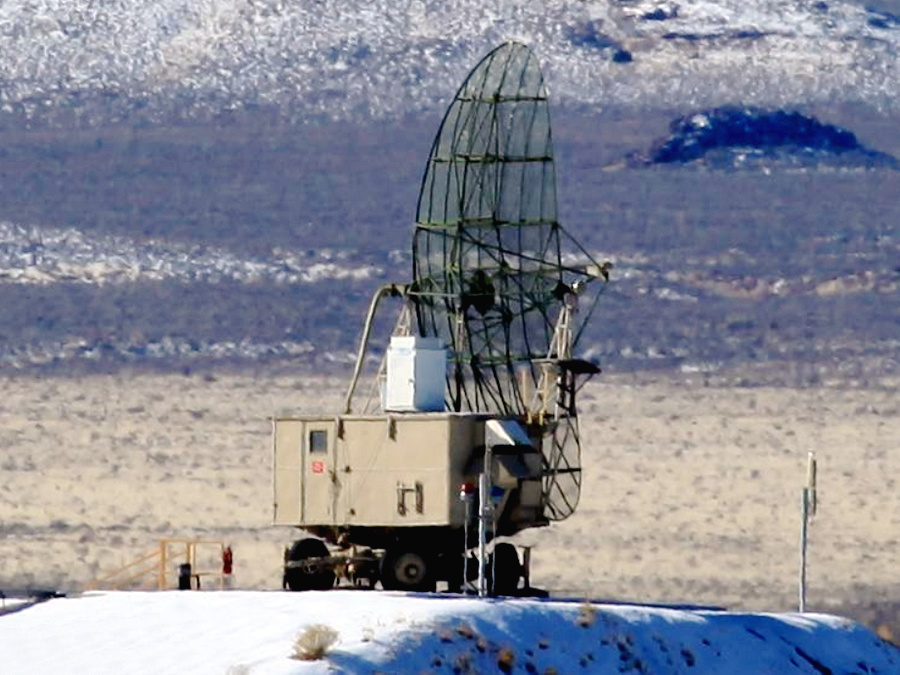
(811, 482)
(465, 551)
(808, 502)
(485, 508)
(482, 532)
(804, 518)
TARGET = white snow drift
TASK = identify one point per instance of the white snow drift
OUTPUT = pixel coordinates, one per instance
(254, 632)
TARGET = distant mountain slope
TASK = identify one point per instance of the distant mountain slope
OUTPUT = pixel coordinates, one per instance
(80, 62)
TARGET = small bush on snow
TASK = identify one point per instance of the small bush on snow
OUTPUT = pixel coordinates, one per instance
(506, 660)
(314, 642)
(587, 615)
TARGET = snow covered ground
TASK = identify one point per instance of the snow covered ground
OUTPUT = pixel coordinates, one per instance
(254, 632)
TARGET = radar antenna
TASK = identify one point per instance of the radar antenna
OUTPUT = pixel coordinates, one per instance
(490, 274)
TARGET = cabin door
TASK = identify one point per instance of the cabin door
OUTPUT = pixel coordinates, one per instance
(319, 474)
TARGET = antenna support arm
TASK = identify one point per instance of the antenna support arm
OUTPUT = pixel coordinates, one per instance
(391, 290)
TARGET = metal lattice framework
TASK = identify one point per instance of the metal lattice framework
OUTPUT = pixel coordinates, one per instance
(489, 275)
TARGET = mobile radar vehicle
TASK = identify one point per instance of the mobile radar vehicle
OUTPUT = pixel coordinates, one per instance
(478, 381)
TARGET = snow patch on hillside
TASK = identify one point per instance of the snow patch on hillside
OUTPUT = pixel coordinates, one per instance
(42, 255)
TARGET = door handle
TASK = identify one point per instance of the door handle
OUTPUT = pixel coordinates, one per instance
(402, 491)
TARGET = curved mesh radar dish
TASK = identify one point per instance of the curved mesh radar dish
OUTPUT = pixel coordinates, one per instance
(488, 269)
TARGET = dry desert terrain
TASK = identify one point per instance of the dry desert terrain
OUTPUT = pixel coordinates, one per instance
(691, 488)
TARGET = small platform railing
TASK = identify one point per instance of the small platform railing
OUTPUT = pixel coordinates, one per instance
(170, 560)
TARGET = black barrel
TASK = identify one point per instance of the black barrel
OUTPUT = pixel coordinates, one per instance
(184, 577)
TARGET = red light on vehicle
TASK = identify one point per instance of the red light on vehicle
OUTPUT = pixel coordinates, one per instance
(467, 490)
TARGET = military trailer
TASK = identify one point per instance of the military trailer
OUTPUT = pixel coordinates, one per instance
(392, 483)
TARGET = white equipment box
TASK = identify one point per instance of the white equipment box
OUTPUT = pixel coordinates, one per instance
(416, 372)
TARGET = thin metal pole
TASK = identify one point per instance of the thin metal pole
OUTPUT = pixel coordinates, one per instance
(485, 507)
(465, 552)
(482, 531)
(811, 483)
(804, 519)
(808, 506)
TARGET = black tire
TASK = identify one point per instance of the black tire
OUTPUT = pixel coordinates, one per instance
(405, 570)
(297, 578)
(505, 570)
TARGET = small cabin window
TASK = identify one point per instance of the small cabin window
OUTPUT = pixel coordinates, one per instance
(318, 441)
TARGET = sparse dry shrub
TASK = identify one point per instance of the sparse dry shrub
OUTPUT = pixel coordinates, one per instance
(466, 631)
(886, 633)
(587, 615)
(314, 642)
(506, 660)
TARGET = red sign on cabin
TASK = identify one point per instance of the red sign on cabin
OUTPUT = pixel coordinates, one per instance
(318, 467)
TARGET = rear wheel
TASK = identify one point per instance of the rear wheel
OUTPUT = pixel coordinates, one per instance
(310, 577)
(403, 570)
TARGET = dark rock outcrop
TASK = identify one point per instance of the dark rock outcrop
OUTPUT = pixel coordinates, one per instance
(747, 137)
